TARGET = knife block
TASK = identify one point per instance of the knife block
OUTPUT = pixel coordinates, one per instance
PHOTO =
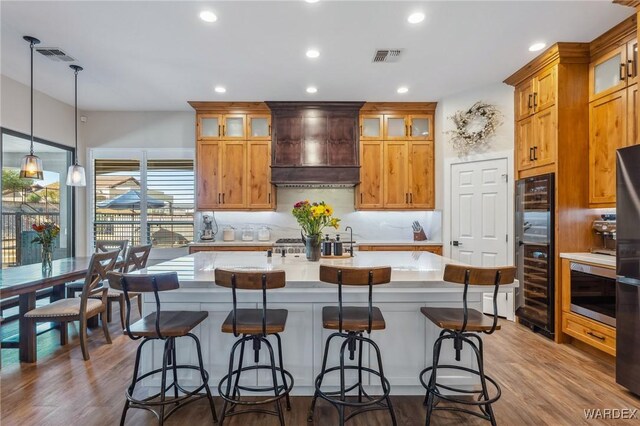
(419, 235)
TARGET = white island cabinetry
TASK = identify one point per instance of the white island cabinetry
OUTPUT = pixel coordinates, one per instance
(406, 344)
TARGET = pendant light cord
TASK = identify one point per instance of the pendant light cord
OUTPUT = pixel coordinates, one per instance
(32, 44)
(76, 113)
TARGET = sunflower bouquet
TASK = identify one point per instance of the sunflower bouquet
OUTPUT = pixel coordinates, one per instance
(314, 217)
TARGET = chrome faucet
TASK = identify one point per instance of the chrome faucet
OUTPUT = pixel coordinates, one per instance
(350, 240)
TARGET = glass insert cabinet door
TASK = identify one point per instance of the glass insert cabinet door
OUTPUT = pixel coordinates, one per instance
(233, 127)
(608, 73)
(420, 127)
(209, 126)
(371, 127)
(259, 126)
(395, 127)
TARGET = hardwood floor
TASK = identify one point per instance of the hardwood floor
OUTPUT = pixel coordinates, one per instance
(542, 383)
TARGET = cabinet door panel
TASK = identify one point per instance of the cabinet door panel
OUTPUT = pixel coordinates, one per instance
(234, 126)
(421, 127)
(524, 100)
(608, 73)
(342, 133)
(421, 194)
(545, 135)
(545, 90)
(524, 143)
(608, 132)
(259, 188)
(315, 141)
(632, 115)
(370, 194)
(288, 149)
(396, 174)
(371, 127)
(208, 178)
(233, 174)
(395, 127)
(259, 127)
(208, 126)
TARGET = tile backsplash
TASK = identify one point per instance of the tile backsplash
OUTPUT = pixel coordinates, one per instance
(367, 225)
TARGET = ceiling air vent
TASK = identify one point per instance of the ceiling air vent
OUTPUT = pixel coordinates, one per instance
(387, 55)
(55, 54)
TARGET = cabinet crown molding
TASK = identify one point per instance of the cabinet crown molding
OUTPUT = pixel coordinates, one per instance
(398, 107)
(616, 36)
(230, 107)
(567, 53)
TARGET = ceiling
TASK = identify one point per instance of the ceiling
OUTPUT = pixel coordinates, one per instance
(157, 55)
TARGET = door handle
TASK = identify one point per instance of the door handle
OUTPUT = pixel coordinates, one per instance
(223, 130)
(411, 197)
(361, 199)
(595, 335)
(406, 130)
(622, 71)
(218, 130)
(406, 198)
(529, 102)
(269, 198)
(411, 130)
(520, 243)
(630, 68)
(456, 243)
(269, 129)
(531, 154)
(535, 99)
(219, 198)
(223, 198)
(535, 155)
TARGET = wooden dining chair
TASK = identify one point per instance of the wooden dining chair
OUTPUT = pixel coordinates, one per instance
(102, 246)
(77, 308)
(136, 259)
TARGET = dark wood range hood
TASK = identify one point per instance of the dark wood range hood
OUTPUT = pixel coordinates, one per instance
(315, 143)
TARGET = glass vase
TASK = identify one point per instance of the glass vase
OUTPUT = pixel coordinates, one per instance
(47, 257)
(312, 247)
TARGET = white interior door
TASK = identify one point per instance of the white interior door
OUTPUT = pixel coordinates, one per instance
(479, 225)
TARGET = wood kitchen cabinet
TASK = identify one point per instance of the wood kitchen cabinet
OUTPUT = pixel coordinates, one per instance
(610, 72)
(608, 132)
(536, 138)
(536, 94)
(233, 156)
(396, 157)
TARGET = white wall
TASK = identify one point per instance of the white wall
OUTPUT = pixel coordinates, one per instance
(501, 146)
(52, 121)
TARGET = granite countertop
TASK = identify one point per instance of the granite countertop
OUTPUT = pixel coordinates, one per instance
(597, 259)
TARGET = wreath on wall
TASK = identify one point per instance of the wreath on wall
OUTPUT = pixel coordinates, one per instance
(474, 127)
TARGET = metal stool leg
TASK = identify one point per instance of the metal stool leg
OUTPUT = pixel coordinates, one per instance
(228, 392)
(485, 393)
(274, 378)
(236, 391)
(163, 381)
(360, 370)
(320, 376)
(383, 381)
(432, 380)
(284, 379)
(204, 377)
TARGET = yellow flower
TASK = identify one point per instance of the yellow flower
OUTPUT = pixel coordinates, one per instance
(317, 211)
(335, 223)
(328, 210)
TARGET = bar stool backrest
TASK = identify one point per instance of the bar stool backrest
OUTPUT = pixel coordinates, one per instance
(99, 266)
(468, 275)
(143, 283)
(137, 258)
(355, 276)
(250, 280)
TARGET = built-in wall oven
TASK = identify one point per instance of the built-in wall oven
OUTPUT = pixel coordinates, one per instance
(593, 292)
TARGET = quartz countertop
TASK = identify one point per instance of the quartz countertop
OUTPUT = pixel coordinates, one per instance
(232, 243)
(410, 270)
(596, 259)
(358, 242)
(398, 243)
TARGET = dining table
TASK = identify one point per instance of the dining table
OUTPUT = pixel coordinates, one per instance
(24, 281)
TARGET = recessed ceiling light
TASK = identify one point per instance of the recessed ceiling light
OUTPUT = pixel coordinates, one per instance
(312, 1)
(220, 89)
(403, 89)
(311, 89)
(312, 53)
(416, 17)
(537, 46)
(208, 16)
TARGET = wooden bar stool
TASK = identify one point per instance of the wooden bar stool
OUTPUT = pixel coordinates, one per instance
(135, 260)
(351, 322)
(254, 325)
(102, 246)
(166, 326)
(462, 325)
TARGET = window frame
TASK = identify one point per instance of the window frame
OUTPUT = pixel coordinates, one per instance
(142, 155)
(72, 151)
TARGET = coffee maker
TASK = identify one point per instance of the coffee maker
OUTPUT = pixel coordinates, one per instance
(605, 234)
(210, 228)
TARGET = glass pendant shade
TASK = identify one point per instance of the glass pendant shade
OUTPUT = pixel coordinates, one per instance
(31, 167)
(75, 176)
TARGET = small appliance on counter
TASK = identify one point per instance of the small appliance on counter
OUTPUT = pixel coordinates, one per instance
(210, 228)
(247, 233)
(605, 230)
(264, 233)
(228, 233)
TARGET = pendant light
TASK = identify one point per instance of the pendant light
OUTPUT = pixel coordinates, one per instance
(75, 174)
(31, 165)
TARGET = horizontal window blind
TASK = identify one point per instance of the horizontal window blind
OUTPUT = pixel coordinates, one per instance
(170, 202)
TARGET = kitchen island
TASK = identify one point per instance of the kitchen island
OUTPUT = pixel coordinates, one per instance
(406, 344)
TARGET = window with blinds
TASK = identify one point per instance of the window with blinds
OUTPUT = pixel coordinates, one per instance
(142, 203)
(170, 202)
